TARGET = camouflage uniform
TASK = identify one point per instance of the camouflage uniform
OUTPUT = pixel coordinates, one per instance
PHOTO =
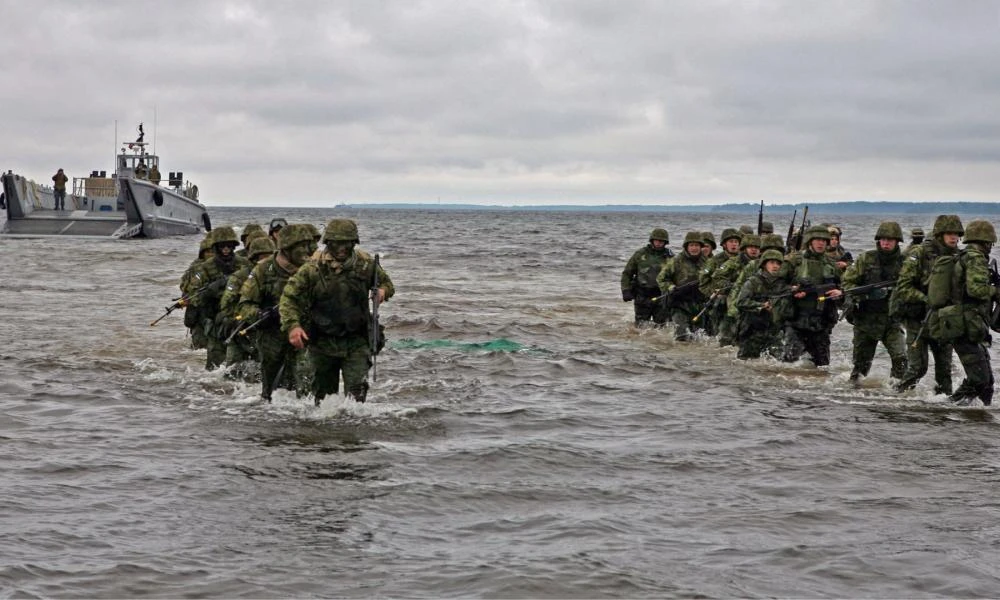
(241, 348)
(812, 318)
(759, 330)
(721, 283)
(262, 293)
(770, 241)
(870, 313)
(713, 317)
(683, 269)
(975, 294)
(909, 303)
(250, 231)
(838, 254)
(916, 238)
(192, 316)
(329, 299)
(639, 279)
(210, 278)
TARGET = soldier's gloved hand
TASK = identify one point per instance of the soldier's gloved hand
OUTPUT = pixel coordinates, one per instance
(627, 296)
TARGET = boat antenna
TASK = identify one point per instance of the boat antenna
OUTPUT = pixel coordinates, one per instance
(115, 159)
(154, 129)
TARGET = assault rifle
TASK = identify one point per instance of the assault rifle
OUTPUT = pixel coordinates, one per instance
(822, 289)
(819, 289)
(712, 300)
(863, 289)
(185, 300)
(791, 232)
(760, 219)
(923, 326)
(677, 292)
(794, 240)
(265, 316)
(373, 338)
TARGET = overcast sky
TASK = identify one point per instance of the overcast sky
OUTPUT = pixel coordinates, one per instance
(314, 103)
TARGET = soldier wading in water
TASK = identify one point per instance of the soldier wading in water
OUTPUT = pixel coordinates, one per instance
(325, 305)
(639, 278)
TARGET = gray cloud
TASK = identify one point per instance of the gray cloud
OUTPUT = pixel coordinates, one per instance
(515, 102)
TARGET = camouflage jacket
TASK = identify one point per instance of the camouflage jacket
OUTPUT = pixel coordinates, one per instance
(759, 288)
(839, 254)
(262, 290)
(805, 269)
(641, 270)
(909, 297)
(208, 282)
(330, 299)
(724, 275)
(873, 266)
(978, 293)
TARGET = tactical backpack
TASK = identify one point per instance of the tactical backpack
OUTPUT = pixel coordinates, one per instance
(944, 285)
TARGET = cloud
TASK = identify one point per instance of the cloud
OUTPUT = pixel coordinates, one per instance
(316, 103)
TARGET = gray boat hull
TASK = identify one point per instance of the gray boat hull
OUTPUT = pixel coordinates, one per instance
(140, 209)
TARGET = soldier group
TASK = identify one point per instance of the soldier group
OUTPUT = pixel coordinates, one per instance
(300, 312)
(765, 296)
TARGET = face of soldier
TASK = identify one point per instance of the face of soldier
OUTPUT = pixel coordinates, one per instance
(817, 245)
(752, 251)
(225, 250)
(299, 253)
(731, 246)
(887, 245)
(834, 242)
(692, 248)
(706, 250)
(772, 266)
(340, 250)
(658, 244)
(950, 240)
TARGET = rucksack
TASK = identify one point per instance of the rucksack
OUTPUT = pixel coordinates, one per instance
(944, 286)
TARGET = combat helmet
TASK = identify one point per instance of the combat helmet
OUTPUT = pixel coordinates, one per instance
(750, 240)
(693, 237)
(260, 245)
(772, 241)
(980, 231)
(771, 255)
(249, 229)
(315, 232)
(816, 232)
(766, 227)
(947, 224)
(660, 234)
(708, 239)
(889, 230)
(729, 233)
(224, 235)
(917, 232)
(253, 235)
(294, 234)
(341, 230)
(745, 230)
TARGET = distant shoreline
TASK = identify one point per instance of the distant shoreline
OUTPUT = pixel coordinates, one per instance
(853, 207)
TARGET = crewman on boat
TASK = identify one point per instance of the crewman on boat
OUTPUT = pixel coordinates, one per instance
(154, 175)
(140, 170)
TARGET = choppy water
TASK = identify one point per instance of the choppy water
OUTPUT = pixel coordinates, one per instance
(522, 440)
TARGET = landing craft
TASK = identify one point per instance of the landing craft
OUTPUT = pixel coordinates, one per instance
(126, 205)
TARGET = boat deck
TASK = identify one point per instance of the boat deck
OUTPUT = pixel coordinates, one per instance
(66, 222)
